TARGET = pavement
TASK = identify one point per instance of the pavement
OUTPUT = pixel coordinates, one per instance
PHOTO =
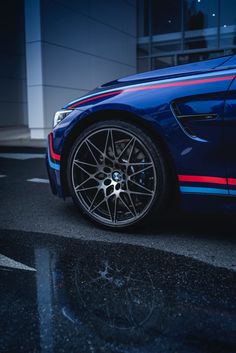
(19, 136)
(30, 206)
(66, 283)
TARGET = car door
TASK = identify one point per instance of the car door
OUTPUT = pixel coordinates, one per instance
(200, 113)
(230, 137)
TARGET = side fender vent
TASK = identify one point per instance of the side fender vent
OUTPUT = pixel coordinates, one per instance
(187, 121)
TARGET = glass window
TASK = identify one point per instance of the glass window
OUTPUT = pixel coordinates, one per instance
(162, 44)
(166, 25)
(200, 23)
(142, 64)
(228, 23)
(166, 16)
(193, 57)
(143, 40)
(162, 62)
(174, 32)
(142, 50)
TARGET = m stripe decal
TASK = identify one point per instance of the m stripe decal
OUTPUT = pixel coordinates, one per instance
(208, 180)
(231, 181)
(52, 165)
(148, 87)
(202, 179)
(200, 190)
(95, 97)
(182, 83)
(55, 156)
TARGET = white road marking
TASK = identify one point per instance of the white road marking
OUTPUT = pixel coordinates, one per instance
(10, 263)
(2, 176)
(38, 180)
(22, 156)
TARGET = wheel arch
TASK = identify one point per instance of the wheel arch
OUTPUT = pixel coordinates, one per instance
(117, 115)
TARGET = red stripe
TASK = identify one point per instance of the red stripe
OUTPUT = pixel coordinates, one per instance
(55, 156)
(231, 181)
(162, 85)
(95, 97)
(202, 179)
(182, 83)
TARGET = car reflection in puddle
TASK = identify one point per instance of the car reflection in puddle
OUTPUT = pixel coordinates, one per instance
(97, 297)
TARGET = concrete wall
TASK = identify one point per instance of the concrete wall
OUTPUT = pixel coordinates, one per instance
(13, 106)
(73, 46)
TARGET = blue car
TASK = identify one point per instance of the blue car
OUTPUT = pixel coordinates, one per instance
(133, 147)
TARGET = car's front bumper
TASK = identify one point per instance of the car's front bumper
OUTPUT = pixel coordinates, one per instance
(53, 168)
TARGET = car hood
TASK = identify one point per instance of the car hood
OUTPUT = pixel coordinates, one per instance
(167, 73)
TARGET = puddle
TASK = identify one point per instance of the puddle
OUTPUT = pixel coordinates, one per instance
(97, 297)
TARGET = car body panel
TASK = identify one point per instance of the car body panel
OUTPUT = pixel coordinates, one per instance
(229, 137)
(186, 70)
(199, 94)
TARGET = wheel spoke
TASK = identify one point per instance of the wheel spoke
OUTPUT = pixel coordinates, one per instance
(135, 164)
(127, 207)
(83, 182)
(112, 144)
(108, 207)
(79, 166)
(131, 142)
(140, 171)
(139, 193)
(132, 203)
(131, 151)
(106, 143)
(99, 204)
(99, 151)
(93, 200)
(141, 186)
(109, 143)
(95, 147)
(115, 209)
(90, 150)
(86, 189)
(85, 163)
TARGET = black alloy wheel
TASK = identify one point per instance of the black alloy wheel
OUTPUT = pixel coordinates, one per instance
(116, 174)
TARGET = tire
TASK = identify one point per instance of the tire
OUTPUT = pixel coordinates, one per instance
(117, 175)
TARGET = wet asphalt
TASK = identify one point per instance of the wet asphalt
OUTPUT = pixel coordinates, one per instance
(68, 286)
(86, 296)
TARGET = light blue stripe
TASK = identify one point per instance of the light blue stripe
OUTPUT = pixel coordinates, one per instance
(197, 190)
(232, 192)
(52, 165)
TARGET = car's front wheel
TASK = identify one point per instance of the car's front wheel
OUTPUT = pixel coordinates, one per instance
(116, 174)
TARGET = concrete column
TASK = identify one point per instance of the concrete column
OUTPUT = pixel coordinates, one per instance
(72, 47)
(34, 69)
(13, 102)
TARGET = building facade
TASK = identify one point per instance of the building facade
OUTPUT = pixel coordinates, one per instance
(54, 51)
(174, 32)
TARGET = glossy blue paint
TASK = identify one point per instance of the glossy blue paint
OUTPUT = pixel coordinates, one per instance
(198, 146)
